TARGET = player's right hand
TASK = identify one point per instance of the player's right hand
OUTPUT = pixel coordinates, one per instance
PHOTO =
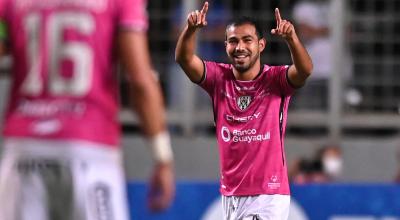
(197, 19)
(162, 187)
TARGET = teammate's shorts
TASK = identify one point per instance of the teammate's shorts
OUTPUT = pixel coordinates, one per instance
(61, 180)
(261, 207)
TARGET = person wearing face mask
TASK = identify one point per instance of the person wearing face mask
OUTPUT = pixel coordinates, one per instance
(332, 162)
(326, 166)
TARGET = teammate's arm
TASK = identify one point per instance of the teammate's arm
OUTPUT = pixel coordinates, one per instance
(147, 100)
(302, 64)
(191, 64)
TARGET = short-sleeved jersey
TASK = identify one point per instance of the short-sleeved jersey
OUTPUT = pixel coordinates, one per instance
(64, 86)
(250, 118)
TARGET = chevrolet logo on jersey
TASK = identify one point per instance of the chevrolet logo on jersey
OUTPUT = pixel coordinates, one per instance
(243, 102)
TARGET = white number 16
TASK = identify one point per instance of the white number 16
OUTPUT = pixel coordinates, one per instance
(59, 50)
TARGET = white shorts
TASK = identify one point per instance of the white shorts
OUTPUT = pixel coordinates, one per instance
(61, 180)
(261, 207)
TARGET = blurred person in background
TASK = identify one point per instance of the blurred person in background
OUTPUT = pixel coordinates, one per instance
(331, 160)
(250, 102)
(306, 171)
(325, 167)
(312, 18)
(300, 170)
(61, 158)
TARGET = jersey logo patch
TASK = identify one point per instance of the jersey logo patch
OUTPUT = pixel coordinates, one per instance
(243, 102)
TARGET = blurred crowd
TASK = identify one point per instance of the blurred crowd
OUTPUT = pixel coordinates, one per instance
(324, 167)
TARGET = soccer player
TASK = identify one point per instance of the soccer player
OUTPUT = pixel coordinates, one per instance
(250, 103)
(62, 159)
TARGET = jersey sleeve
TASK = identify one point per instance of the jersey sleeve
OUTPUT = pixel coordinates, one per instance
(209, 80)
(132, 15)
(280, 77)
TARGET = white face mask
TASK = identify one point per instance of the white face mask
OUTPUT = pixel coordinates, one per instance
(333, 166)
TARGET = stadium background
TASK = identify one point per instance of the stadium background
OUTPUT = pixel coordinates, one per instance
(366, 130)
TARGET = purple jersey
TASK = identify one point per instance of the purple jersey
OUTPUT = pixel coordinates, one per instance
(64, 85)
(250, 119)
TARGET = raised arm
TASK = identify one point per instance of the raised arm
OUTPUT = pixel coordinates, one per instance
(185, 55)
(302, 64)
(145, 94)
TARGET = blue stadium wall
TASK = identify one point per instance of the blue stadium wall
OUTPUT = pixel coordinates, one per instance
(200, 200)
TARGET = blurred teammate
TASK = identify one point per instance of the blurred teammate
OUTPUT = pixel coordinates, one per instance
(250, 104)
(62, 159)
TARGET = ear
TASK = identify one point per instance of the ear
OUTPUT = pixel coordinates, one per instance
(225, 43)
(261, 44)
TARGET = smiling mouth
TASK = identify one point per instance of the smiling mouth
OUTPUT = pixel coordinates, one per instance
(240, 57)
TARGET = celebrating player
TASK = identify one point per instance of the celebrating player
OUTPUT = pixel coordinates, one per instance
(250, 103)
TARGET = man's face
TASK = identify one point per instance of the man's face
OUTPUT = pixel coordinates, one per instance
(243, 46)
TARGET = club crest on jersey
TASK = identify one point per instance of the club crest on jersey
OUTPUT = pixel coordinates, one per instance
(243, 102)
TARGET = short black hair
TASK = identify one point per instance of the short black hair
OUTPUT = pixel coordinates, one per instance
(247, 20)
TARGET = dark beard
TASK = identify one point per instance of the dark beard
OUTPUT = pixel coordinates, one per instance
(241, 68)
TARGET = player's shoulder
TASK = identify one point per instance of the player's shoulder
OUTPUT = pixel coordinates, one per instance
(224, 67)
(217, 64)
(274, 70)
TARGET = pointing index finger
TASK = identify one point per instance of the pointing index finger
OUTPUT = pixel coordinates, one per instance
(204, 9)
(278, 17)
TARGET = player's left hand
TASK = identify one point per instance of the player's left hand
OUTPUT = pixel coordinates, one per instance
(162, 187)
(284, 28)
